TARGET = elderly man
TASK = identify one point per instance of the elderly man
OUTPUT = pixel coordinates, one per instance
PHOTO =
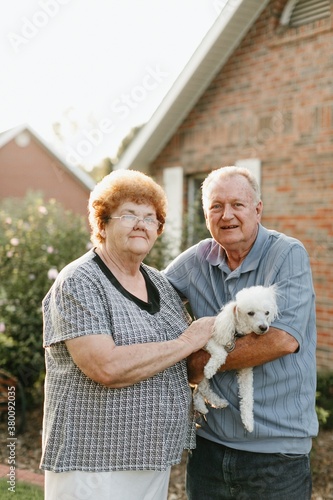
(272, 462)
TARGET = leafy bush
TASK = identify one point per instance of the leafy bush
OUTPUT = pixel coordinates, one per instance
(161, 253)
(194, 230)
(37, 239)
(325, 399)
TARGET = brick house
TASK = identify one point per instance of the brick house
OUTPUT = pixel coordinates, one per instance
(257, 92)
(27, 163)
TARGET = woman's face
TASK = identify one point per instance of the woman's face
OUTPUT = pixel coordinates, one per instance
(131, 237)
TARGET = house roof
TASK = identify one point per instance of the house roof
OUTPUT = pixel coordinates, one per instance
(221, 40)
(78, 173)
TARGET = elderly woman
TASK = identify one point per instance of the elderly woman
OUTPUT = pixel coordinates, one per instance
(116, 335)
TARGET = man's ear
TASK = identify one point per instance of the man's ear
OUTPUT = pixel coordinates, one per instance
(259, 209)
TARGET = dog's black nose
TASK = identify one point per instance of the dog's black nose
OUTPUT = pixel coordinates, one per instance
(263, 328)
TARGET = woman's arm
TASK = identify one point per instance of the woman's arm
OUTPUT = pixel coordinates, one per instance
(119, 366)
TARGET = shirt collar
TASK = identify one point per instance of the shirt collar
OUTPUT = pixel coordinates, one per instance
(217, 256)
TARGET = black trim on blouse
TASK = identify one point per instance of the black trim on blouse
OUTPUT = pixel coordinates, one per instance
(153, 304)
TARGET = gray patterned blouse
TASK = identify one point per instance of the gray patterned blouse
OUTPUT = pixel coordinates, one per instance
(90, 427)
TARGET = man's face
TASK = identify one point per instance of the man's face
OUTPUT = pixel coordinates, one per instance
(232, 215)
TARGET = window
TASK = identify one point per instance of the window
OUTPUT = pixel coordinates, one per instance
(299, 12)
(196, 229)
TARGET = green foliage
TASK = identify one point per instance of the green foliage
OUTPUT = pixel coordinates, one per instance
(161, 253)
(125, 143)
(194, 230)
(37, 239)
(194, 227)
(102, 169)
(324, 400)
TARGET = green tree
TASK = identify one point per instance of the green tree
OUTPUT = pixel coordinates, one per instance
(107, 165)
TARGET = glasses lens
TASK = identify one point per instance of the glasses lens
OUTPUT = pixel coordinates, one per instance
(132, 220)
(129, 220)
(151, 223)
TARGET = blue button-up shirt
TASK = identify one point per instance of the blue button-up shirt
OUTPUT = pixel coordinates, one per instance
(284, 389)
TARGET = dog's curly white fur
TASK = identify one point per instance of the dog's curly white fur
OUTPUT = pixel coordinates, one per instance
(253, 310)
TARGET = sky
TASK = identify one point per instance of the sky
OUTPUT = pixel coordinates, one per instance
(95, 68)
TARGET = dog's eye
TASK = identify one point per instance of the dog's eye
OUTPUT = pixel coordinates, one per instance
(251, 313)
(267, 313)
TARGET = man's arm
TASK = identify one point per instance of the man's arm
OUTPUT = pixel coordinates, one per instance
(250, 350)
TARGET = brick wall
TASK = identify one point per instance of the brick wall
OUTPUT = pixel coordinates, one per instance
(273, 100)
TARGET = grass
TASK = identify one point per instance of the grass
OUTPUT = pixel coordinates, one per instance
(23, 491)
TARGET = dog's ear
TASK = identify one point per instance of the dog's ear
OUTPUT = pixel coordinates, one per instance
(235, 311)
(274, 289)
(225, 322)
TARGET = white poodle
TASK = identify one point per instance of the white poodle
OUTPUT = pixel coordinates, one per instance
(253, 310)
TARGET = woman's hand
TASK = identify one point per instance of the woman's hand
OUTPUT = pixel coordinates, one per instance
(198, 333)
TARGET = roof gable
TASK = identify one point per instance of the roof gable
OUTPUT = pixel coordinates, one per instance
(75, 171)
(223, 38)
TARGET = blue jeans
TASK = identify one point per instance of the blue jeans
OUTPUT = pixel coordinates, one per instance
(215, 472)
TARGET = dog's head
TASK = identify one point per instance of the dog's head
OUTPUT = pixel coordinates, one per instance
(255, 309)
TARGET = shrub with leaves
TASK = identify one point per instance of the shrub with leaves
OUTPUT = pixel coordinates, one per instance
(324, 400)
(37, 239)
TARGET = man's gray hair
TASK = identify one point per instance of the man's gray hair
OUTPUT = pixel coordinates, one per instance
(226, 173)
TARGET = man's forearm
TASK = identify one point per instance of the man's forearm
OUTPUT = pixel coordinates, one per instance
(250, 350)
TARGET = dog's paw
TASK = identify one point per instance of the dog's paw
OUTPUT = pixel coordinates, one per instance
(248, 421)
(199, 403)
(217, 359)
(201, 408)
(246, 414)
(248, 426)
(217, 402)
(209, 370)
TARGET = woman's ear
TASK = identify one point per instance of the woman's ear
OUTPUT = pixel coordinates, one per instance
(101, 223)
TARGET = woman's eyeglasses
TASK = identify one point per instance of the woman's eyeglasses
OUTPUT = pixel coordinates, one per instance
(133, 220)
